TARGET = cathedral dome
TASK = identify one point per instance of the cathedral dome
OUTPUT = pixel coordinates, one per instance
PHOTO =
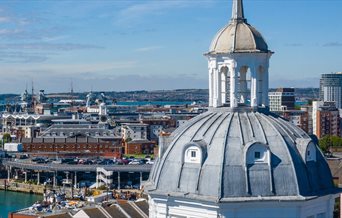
(241, 154)
(238, 159)
(238, 37)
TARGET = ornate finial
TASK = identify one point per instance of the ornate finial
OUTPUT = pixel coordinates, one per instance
(237, 12)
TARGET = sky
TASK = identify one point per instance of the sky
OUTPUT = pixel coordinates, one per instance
(120, 45)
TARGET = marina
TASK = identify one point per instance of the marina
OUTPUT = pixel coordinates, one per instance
(11, 201)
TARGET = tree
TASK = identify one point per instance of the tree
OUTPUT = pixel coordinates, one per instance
(6, 138)
(326, 142)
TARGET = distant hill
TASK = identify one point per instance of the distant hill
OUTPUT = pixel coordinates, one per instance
(156, 95)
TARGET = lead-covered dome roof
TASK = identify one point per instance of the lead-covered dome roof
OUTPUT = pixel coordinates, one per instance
(240, 155)
(238, 36)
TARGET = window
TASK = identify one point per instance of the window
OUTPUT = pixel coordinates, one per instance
(257, 153)
(193, 155)
(311, 152)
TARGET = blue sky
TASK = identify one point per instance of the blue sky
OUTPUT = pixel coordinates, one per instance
(116, 45)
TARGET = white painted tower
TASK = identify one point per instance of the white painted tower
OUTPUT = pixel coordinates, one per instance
(238, 62)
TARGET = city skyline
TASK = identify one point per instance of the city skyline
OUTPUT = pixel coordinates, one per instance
(151, 45)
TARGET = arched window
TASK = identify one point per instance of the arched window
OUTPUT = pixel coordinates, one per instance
(307, 149)
(193, 155)
(258, 169)
(257, 153)
(311, 152)
(195, 152)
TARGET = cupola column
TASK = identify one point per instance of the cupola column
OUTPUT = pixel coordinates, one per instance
(265, 87)
(243, 85)
(224, 71)
(211, 79)
(233, 87)
(259, 86)
(254, 87)
(217, 88)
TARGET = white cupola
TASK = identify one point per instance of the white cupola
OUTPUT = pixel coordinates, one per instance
(238, 62)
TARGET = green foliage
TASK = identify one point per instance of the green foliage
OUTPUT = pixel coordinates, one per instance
(102, 187)
(31, 182)
(139, 156)
(326, 142)
(298, 107)
(7, 138)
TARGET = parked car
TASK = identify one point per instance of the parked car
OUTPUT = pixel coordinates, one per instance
(150, 162)
(143, 161)
(125, 161)
(136, 186)
(40, 160)
(134, 162)
(23, 156)
(73, 162)
(35, 159)
(128, 186)
(66, 160)
(87, 162)
(59, 161)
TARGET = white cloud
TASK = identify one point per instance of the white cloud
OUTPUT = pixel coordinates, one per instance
(71, 69)
(49, 46)
(5, 19)
(54, 38)
(9, 32)
(149, 48)
(134, 13)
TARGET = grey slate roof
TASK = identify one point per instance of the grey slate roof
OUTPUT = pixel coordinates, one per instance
(238, 37)
(94, 213)
(115, 212)
(129, 209)
(72, 130)
(225, 176)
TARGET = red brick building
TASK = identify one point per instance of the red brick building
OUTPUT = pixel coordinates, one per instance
(326, 119)
(139, 147)
(297, 117)
(75, 144)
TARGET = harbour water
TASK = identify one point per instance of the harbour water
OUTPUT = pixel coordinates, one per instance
(12, 201)
(143, 103)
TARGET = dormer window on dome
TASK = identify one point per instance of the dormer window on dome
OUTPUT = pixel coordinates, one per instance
(257, 153)
(258, 169)
(311, 152)
(307, 149)
(193, 155)
(195, 152)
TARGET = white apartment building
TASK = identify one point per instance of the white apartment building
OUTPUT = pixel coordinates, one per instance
(134, 131)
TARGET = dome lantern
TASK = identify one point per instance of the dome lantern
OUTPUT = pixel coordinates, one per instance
(238, 61)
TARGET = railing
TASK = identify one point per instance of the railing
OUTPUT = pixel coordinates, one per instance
(103, 171)
(73, 168)
(104, 179)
